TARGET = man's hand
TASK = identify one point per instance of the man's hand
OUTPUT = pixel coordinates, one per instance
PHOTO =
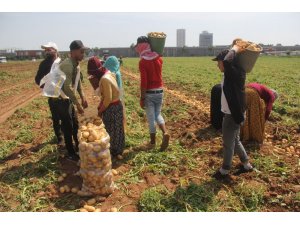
(79, 109)
(84, 103)
(239, 48)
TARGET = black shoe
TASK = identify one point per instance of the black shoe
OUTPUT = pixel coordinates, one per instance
(243, 170)
(72, 157)
(61, 144)
(222, 177)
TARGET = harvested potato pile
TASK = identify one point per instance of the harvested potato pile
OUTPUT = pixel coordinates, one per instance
(247, 45)
(95, 160)
(157, 34)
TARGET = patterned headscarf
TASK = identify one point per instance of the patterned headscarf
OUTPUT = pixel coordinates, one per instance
(145, 52)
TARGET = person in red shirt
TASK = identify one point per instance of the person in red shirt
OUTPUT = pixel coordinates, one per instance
(150, 66)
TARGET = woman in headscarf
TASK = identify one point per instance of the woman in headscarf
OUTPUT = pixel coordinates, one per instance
(110, 108)
(113, 65)
(95, 71)
(259, 100)
(150, 67)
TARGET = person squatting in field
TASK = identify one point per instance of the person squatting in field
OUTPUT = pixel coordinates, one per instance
(51, 60)
(259, 102)
(150, 66)
(233, 106)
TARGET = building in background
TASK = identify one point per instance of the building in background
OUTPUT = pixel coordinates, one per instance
(180, 38)
(206, 39)
(29, 54)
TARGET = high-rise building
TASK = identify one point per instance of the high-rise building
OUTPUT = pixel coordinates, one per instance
(206, 39)
(180, 38)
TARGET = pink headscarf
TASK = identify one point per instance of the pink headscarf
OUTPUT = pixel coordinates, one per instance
(145, 52)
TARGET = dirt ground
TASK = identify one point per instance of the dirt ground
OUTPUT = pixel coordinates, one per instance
(193, 132)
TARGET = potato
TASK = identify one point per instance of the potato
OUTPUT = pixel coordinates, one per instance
(114, 209)
(97, 148)
(89, 125)
(97, 210)
(82, 146)
(83, 128)
(64, 175)
(93, 160)
(253, 47)
(91, 173)
(93, 133)
(91, 138)
(74, 190)
(89, 208)
(157, 34)
(120, 157)
(114, 172)
(60, 179)
(99, 136)
(107, 167)
(91, 201)
(125, 152)
(83, 210)
(62, 190)
(85, 134)
(104, 155)
(67, 188)
(89, 148)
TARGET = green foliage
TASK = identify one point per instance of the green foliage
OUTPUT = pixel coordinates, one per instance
(251, 195)
(199, 74)
(192, 198)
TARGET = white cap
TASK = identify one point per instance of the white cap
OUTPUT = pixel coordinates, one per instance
(50, 45)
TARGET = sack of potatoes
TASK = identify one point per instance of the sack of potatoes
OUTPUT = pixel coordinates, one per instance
(95, 159)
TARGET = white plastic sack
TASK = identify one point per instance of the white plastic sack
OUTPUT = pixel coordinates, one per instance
(53, 81)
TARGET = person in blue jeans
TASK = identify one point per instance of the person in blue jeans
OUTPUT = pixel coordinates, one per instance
(150, 66)
(233, 105)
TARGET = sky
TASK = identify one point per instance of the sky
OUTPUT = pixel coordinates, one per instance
(25, 30)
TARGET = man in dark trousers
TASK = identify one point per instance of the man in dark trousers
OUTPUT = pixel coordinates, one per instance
(233, 106)
(51, 53)
(65, 104)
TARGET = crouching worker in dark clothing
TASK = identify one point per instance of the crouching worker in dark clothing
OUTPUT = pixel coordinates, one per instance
(233, 106)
